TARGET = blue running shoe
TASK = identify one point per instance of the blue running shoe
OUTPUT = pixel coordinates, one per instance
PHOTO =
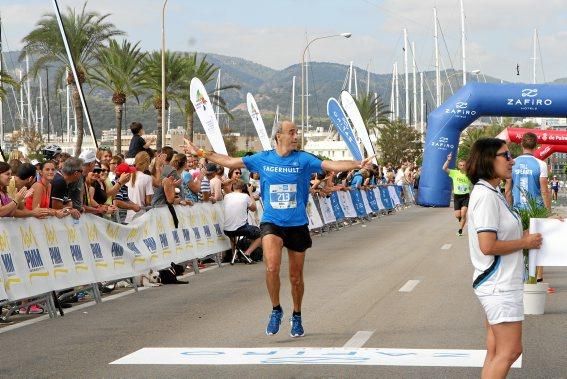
(296, 327)
(274, 323)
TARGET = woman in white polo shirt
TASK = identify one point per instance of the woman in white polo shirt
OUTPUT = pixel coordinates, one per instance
(496, 241)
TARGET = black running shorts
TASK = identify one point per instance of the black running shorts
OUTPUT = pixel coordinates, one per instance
(461, 201)
(296, 238)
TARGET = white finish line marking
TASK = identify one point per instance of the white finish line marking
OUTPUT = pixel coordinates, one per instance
(447, 246)
(409, 286)
(307, 356)
(359, 339)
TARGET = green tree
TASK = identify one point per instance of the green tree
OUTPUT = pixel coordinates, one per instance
(174, 74)
(373, 111)
(8, 80)
(399, 142)
(205, 72)
(118, 70)
(86, 32)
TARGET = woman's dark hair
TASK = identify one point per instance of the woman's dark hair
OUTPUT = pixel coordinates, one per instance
(231, 171)
(4, 167)
(135, 127)
(480, 164)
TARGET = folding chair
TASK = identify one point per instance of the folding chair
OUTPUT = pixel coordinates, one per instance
(236, 250)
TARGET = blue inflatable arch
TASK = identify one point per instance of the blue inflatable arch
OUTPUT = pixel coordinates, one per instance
(445, 124)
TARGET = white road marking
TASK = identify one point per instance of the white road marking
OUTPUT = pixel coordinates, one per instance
(409, 286)
(447, 246)
(359, 339)
(308, 356)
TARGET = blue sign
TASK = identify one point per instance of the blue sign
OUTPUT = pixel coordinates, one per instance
(358, 203)
(337, 209)
(445, 124)
(386, 200)
(340, 121)
(372, 201)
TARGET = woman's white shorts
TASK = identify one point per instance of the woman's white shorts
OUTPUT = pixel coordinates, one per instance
(502, 306)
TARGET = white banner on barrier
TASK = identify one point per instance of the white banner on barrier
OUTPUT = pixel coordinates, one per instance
(346, 203)
(38, 256)
(327, 210)
(378, 197)
(394, 195)
(366, 203)
(315, 221)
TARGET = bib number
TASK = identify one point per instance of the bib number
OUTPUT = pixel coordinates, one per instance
(283, 196)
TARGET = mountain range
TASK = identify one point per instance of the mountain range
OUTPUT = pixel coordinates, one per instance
(270, 87)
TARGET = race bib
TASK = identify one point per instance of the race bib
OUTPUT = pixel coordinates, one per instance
(463, 188)
(283, 196)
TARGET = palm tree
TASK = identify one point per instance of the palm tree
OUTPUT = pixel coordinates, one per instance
(373, 111)
(151, 73)
(205, 72)
(6, 79)
(119, 71)
(86, 33)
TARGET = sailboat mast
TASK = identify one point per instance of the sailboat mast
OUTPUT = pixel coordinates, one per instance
(217, 93)
(421, 113)
(463, 43)
(350, 78)
(355, 85)
(414, 67)
(437, 71)
(397, 92)
(293, 98)
(535, 56)
(393, 94)
(28, 87)
(406, 72)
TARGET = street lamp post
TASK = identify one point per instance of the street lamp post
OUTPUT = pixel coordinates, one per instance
(161, 137)
(345, 35)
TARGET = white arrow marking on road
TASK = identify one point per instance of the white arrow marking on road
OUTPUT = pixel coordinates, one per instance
(409, 286)
(447, 246)
(359, 339)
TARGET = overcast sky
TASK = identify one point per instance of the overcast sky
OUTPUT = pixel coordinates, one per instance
(275, 32)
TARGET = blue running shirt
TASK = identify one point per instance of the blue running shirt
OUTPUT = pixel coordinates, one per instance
(284, 184)
(525, 180)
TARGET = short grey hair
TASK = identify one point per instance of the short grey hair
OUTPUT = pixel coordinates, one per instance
(72, 165)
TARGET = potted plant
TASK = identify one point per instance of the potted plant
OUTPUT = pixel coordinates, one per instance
(534, 292)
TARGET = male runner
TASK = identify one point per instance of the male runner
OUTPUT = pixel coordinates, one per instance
(461, 191)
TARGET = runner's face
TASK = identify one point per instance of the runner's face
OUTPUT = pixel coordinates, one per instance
(461, 166)
(288, 136)
(503, 166)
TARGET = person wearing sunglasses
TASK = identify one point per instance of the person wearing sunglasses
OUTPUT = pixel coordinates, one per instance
(461, 191)
(496, 241)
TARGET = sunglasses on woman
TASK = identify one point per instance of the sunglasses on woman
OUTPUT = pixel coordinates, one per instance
(506, 154)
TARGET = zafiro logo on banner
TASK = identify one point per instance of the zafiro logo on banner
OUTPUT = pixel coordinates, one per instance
(460, 110)
(442, 144)
(529, 100)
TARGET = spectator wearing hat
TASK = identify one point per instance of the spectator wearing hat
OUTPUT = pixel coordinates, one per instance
(121, 200)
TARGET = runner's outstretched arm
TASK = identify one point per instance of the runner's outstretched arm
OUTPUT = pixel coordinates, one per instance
(223, 160)
(347, 165)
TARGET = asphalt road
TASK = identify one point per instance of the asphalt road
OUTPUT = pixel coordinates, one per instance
(353, 277)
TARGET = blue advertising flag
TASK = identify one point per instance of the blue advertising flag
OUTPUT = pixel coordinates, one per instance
(339, 120)
(372, 201)
(386, 200)
(358, 202)
(399, 192)
(337, 210)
